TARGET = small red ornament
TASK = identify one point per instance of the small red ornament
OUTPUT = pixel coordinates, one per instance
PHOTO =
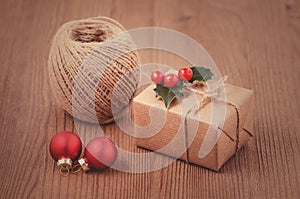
(100, 153)
(185, 73)
(65, 148)
(157, 77)
(170, 80)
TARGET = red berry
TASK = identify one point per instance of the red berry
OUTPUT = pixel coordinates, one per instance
(157, 77)
(170, 80)
(185, 73)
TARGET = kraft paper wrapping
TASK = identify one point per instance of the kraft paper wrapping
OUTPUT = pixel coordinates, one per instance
(192, 134)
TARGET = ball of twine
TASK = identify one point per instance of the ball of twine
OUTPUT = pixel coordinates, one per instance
(87, 59)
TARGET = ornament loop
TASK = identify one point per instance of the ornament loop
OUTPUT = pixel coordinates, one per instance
(76, 167)
(64, 170)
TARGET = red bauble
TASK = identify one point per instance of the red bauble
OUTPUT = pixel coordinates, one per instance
(185, 73)
(100, 153)
(65, 147)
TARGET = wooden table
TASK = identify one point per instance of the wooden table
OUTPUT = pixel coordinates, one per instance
(256, 42)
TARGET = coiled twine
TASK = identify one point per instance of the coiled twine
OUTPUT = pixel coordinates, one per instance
(87, 60)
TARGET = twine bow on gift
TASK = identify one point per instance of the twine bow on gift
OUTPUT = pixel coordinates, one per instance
(209, 94)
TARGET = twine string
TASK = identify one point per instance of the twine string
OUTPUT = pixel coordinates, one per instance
(208, 96)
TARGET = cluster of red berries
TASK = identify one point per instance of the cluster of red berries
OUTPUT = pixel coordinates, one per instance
(171, 79)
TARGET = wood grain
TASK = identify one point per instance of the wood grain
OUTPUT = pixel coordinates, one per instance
(256, 42)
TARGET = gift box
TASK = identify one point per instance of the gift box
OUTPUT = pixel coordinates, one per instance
(206, 134)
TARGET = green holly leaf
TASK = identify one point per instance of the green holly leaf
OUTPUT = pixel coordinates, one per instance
(168, 95)
(178, 89)
(201, 74)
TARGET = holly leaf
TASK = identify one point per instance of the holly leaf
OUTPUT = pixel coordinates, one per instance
(178, 89)
(201, 74)
(168, 95)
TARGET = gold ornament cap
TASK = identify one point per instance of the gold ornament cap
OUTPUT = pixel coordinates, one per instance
(64, 166)
(84, 165)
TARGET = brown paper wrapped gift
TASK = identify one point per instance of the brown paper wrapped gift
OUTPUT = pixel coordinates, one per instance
(180, 131)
